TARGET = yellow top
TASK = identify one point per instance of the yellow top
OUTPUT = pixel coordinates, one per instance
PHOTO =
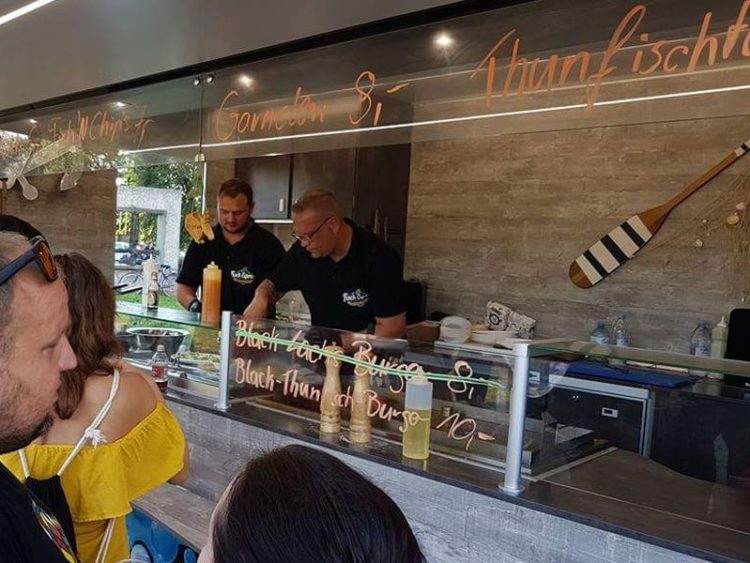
(100, 482)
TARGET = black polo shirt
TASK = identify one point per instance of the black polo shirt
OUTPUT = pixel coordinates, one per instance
(243, 265)
(348, 294)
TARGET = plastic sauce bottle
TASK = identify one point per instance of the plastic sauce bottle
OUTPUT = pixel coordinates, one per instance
(211, 295)
(149, 266)
(152, 301)
(159, 363)
(416, 418)
(719, 339)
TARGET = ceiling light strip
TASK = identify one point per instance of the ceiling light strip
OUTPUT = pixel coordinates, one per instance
(23, 10)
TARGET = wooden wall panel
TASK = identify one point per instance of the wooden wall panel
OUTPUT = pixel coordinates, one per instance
(502, 217)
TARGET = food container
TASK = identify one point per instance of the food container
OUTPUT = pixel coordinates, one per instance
(455, 329)
(488, 337)
(148, 338)
(492, 337)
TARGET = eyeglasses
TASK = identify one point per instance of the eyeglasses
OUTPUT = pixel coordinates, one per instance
(308, 238)
(39, 253)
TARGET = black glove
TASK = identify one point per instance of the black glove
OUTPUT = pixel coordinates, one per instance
(195, 306)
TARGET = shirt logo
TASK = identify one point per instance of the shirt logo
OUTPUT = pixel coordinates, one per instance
(54, 531)
(355, 298)
(243, 276)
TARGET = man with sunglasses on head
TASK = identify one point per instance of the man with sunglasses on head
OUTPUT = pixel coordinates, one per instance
(34, 350)
(245, 252)
(350, 278)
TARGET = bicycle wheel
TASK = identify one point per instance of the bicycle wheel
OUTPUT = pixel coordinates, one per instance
(168, 284)
(131, 278)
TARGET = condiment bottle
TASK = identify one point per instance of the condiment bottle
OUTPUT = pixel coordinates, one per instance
(211, 295)
(359, 424)
(330, 412)
(153, 292)
(719, 339)
(416, 418)
(148, 268)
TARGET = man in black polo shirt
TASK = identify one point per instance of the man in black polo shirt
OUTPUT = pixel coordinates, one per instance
(350, 278)
(245, 252)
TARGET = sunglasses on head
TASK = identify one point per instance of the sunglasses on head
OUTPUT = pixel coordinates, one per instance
(38, 253)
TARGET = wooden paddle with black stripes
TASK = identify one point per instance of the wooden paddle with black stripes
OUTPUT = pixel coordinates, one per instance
(620, 245)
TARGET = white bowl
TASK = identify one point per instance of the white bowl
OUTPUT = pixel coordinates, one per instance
(488, 337)
(506, 333)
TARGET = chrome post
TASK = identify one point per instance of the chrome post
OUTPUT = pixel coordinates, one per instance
(517, 420)
(224, 347)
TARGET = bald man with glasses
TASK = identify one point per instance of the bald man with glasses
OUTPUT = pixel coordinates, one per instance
(350, 278)
(34, 349)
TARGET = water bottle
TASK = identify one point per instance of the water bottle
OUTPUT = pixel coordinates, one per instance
(700, 344)
(620, 336)
(700, 341)
(159, 363)
(600, 335)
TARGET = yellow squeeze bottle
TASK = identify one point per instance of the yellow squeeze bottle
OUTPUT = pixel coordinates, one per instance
(416, 418)
(211, 295)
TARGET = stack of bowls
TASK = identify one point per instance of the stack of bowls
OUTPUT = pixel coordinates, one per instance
(455, 329)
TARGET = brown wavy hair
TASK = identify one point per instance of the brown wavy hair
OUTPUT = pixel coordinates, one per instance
(91, 303)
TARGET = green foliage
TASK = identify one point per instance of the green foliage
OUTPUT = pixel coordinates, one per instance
(182, 176)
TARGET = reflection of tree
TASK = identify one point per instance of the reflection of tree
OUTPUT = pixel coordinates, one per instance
(182, 176)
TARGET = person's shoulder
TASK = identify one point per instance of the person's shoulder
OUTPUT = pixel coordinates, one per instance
(137, 387)
(375, 245)
(137, 396)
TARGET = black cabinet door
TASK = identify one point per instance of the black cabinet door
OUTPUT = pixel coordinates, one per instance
(382, 191)
(614, 419)
(269, 177)
(331, 170)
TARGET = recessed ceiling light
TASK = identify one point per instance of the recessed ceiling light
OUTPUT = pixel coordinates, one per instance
(120, 105)
(33, 121)
(23, 10)
(245, 80)
(443, 40)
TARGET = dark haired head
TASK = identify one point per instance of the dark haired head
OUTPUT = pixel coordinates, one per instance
(234, 187)
(14, 224)
(91, 304)
(300, 505)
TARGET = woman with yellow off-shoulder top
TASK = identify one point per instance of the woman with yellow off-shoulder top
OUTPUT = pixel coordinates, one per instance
(112, 439)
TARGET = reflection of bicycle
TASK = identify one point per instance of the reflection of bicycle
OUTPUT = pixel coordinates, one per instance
(167, 279)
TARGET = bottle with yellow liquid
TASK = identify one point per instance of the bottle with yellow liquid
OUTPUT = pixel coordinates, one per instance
(211, 295)
(416, 418)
